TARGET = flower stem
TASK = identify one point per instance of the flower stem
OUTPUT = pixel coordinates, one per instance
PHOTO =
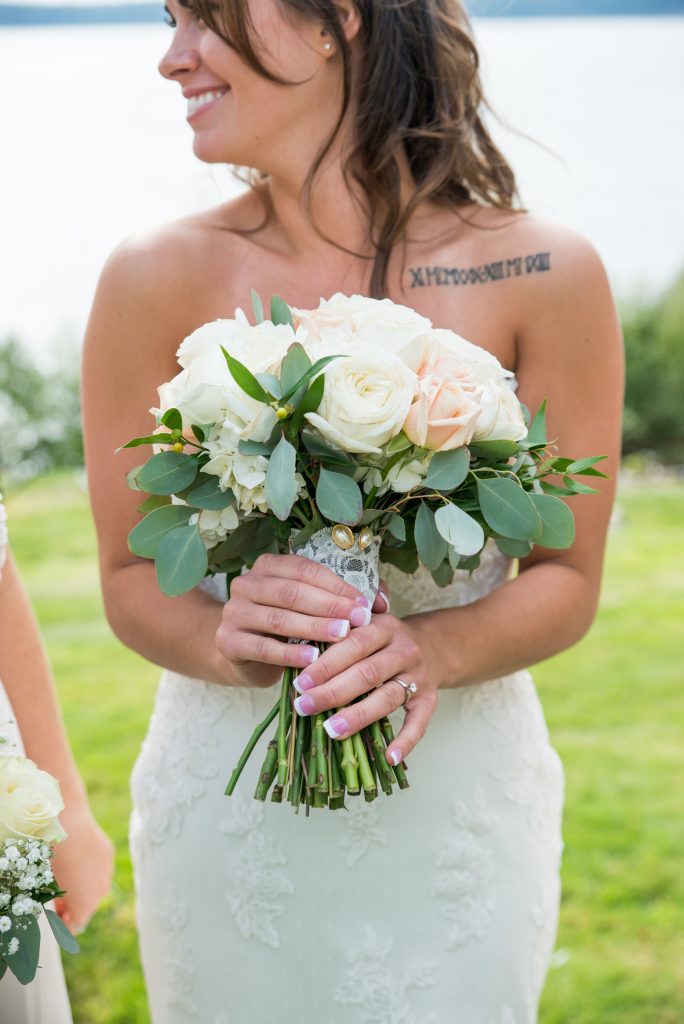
(268, 770)
(254, 739)
(398, 769)
(321, 754)
(384, 770)
(350, 765)
(283, 724)
(365, 773)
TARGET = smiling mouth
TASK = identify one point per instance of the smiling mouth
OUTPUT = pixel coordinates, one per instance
(205, 99)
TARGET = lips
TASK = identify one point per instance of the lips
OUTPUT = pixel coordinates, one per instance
(199, 101)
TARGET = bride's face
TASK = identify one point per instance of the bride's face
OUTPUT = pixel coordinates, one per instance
(238, 116)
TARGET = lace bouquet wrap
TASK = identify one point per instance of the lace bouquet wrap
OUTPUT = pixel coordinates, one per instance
(350, 434)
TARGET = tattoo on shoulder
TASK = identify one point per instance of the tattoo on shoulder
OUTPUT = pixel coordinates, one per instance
(456, 277)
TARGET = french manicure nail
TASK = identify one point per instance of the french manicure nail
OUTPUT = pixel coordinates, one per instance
(363, 601)
(383, 596)
(302, 682)
(360, 616)
(304, 705)
(395, 756)
(335, 727)
(339, 628)
(310, 654)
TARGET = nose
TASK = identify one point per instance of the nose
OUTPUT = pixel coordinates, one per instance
(180, 57)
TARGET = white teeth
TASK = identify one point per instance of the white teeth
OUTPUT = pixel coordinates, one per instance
(195, 102)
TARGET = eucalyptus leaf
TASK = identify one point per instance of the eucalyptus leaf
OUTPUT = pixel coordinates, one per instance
(320, 449)
(470, 564)
(257, 306)
(256, 448)
(444, 574)
(431, 545)
(167, 473)
(281, 484)
(245, 379)
(536, 435)
(294, 366)
(448, 470)
(558, 523)
(398, 444)
(209, 495)
(152, 502)
(338, 497)
(300, 537)
(513, 548)
(454, 558)
(172, 419)
(405, 559)
(145, 538)
(508, 509)
(397, 527)
(460, 530)
(249, 536)
(280, 311)
(24, 963)
(312, 372)
(132, 478)
(270, 383)
(495, 451)
(61, 932)
(370, 515)
(181, 560)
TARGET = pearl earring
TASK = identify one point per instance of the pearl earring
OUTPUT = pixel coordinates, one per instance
(327, 46)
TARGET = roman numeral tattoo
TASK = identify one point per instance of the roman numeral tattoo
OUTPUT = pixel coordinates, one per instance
(535, 263)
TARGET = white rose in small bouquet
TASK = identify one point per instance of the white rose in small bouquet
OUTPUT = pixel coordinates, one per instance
(30, 802)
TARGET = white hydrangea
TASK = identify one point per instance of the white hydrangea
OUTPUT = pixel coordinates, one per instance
(5, 923)
(214, 526)
(402, 477)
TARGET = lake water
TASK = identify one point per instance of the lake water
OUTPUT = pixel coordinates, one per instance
(96, 147)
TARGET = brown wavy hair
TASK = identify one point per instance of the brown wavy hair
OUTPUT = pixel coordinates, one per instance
(418, 88)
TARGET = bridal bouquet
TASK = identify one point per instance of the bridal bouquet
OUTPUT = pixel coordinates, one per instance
(350, 434)
(29, 825)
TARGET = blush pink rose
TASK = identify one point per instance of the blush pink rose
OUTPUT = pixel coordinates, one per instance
(444, 414)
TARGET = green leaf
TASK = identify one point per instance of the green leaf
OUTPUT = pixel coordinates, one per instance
(310, 402)
(398, 444)
(454, 558)
(460, 530)
(320, 449)
(397, 527)
(154, 501)
(405, 559)
(513, 548)
(256, 448)
(294, 366)
(61, 932)
(312, 372)
(245, 379)
(432, 548)
(578, 488)
(300, 537)
(150, 439)
(24, 963)
(562, 492)
(444, 574)
(270, 384)
(495, 451)
(132, 478)
(257, 306)
(249, 536)
(280, 311)
(200, 432)
(338, 497)
(448, 470)
(584, 467)
(208, 494)
(281, 485)
(508, 509)
(470, 564)
(172, 419)
(537, 432)
(370, 515)
(558, 523)
(167, 473)
(145, 538)
(181, 560)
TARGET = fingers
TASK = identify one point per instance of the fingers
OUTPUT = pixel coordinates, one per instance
(381, 605)
(280, 620)
(351, 652)
(302, 570)
(241, 647)
(418, 714)
(382, 701)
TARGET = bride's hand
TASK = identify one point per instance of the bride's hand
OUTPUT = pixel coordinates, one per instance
(368, 662)
(82, 864)
(286, 596)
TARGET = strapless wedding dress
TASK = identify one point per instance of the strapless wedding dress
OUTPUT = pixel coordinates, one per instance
(45, 1000)
(437, 905)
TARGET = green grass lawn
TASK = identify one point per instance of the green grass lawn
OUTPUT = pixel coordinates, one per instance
(614, 706)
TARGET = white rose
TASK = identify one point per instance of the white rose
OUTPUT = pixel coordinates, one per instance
(501, 417)
(482, 365)
(214, 526)
(367, 396)
(205, 391)
(30, 802)
(345, 319)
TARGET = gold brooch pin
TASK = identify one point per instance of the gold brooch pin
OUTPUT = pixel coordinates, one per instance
(344, 537)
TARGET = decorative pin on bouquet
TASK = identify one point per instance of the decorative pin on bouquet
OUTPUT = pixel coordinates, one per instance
(350, 434)
(30, 802)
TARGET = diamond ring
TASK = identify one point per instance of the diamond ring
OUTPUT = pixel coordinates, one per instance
(409, 689)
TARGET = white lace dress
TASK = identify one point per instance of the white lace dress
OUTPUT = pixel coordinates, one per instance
(437, 905)
(45, 1000)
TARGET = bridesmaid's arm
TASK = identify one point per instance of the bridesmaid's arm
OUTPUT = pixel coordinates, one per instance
(83, 862)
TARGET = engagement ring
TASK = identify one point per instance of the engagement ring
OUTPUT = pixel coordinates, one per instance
(409, 689)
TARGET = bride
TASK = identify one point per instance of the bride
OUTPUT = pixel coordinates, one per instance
(373, 173)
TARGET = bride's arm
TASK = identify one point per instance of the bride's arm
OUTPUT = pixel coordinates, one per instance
(147, 301)
(569, 351)
(83, 862)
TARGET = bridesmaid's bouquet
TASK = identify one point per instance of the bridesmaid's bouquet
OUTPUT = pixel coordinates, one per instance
(352, 433)
(30, 803)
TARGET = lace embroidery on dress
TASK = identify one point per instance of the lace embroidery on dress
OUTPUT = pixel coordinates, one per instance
(544, 916)
(361, 829)
(176, 763)
(379, 986)
(179, 972)
(465, 872)
(255, 884)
